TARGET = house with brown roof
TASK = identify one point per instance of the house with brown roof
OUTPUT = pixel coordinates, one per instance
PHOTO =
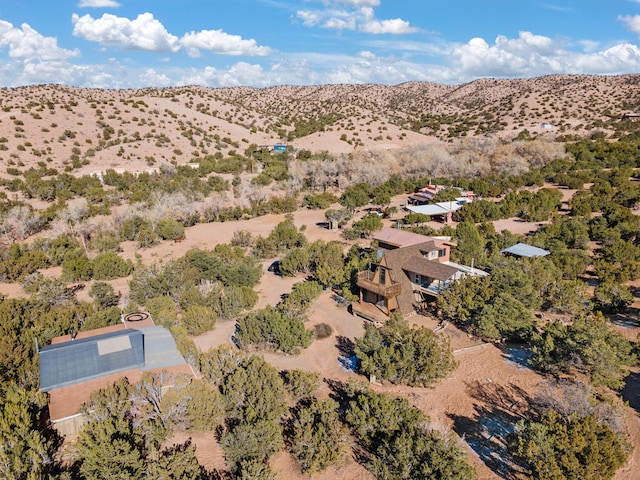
(74, 366)
(408, 277)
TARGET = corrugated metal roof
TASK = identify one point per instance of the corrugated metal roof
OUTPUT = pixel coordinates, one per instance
(524, 250)
(440, 208)
(80, 360)
(160, 349)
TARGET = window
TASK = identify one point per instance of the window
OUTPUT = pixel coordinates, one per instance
(442, 252)
(383, 275)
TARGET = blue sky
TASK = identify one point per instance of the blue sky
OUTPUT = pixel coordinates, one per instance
(160, 43)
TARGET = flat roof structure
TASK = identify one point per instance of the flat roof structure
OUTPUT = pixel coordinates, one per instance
(441, 208)
(524, 250)
(399, 238)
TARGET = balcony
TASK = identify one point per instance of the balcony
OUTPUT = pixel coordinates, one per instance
(387, 290)
(432, 287)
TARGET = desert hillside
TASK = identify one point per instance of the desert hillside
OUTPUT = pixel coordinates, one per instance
(85, 130)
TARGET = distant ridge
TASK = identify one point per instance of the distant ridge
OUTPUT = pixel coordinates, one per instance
(65, 126)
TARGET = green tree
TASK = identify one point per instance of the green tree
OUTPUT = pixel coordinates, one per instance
(301, 385)
(194, 406)
(319, 438)
(104, 295)
(328, 263)
(398, 441)
(163, 310)
(402, 354)
(254, 391)
(505, 317)
(270, 328)
(76, 266)
(170, 229)
(109, 449)
(295, 261)
(612, 297)
(176, 463)
(462, 301)
(198, 319)
(255, 441)
(27, 449)
(555, 447)
(471, 245)
(355, 196)
(590, 346)
(109, 265)
(367, 225)
(296, 303)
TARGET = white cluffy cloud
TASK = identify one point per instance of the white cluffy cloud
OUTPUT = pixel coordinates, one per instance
(98, 4)
(147, 33)
(217, 41)
(28, 45)
(532, 55)
(353, 15)
(631, 21)
(142, 33)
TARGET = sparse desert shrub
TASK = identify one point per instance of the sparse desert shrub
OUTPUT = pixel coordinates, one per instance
(242, 238)
(170, 229)
(322, 330)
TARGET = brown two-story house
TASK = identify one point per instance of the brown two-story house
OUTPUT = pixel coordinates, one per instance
(406, 278)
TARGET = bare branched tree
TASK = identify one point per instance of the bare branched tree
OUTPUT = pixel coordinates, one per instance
(20, 222)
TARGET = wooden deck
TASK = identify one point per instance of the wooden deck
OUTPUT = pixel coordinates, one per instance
(370, 312)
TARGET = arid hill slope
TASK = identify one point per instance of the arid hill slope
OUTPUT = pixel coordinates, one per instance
(84, 130)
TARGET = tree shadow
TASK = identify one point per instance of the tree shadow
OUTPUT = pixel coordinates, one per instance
(346, 347)
(631, 391)
(497, 410)
(627, 318)
(517, 355)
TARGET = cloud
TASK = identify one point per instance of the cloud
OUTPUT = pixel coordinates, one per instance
(632, 22)
(217, 41)
(353, 15)
(239, 74)
(144, 33)
(353, 3)
(98, 4)
(532, 55)
(148, 34)
(395, 26)
(151, 77)
(26, 44)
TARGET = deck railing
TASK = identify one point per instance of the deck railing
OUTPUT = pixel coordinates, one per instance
(387, 290)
